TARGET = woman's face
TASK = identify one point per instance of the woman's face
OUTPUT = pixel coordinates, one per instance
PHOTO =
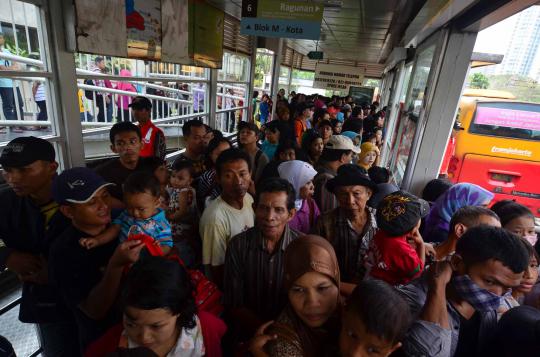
(272, 137)
(337, 128)
(378, 135)
(307, 190)
(317, 147)
(326, 132)
(522, 226)
(314, 298)
(155, 329)
(370, 158)
(530, 277)
(218, 150)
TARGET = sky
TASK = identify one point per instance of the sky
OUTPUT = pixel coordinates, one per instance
(495, 39)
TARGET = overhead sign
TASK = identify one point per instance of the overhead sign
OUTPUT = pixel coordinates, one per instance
(331, 76)
(288, 19)
(315, 55)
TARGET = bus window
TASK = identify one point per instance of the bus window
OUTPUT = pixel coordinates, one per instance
(508, 120)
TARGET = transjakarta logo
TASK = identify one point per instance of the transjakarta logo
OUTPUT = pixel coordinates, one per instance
(512, 151)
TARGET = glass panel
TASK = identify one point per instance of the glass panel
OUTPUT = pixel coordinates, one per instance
(409, 121)
(263, 70)
(26, 96)
(235, 68)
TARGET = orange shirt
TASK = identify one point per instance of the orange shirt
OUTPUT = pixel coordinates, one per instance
(299, 128)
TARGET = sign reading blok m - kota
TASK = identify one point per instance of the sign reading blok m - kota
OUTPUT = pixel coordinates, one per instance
(287, 19)
(335, 77)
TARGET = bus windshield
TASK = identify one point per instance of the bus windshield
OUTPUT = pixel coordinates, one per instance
(508, 120)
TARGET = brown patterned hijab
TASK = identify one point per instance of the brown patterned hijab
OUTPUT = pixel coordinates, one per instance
(310, 253)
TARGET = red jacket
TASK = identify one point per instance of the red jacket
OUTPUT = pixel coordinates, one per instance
(153, 141)
(213, 330)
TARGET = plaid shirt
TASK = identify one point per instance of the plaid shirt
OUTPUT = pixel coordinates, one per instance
(253, 276)
(351, 247)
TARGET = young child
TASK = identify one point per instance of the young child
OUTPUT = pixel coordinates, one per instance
(270, 144)
(141, 216)
(375, 320)
(397, 252)
(301, 175)
(182, 211)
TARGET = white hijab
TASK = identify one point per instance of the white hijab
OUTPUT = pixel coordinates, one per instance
(298, 173)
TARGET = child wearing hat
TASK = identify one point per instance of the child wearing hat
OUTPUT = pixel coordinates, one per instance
(397, 252)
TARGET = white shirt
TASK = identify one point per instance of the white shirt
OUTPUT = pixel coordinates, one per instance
(219, 223)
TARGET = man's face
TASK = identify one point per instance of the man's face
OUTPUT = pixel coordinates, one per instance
(234, 178)
(287, 155)
(353, 197)
(491, 275)
(96, 212)
(101, 65)
(325, 131)
(127, 145)
(271, 213)
(141, 115)
(247, 137)
(196, 138)
(30, 179)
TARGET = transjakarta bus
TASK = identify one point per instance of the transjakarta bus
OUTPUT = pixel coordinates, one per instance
(499, 146)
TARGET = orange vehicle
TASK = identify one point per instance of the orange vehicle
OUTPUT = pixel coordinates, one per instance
(498, 147)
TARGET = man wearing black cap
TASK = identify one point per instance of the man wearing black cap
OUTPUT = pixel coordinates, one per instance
(30, 222)
(152, 137)
(87, 279)
(351, 226)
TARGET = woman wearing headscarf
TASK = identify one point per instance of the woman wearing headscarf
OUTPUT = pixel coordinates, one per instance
(457, 196)
(309, 325)
(300, 174)
(369, 155)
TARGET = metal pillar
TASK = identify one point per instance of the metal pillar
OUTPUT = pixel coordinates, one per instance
(212, 99)
(432, 138)
(64, 84)
(275, 74)
(250, 89)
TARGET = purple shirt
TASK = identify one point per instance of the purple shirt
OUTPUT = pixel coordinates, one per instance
(303, 220)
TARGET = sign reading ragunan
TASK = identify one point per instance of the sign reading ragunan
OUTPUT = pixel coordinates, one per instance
(276, 18)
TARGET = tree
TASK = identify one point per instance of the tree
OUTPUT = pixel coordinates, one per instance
(479, 81)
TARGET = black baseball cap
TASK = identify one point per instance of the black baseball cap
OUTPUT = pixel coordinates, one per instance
(77, 185)
(25, 150)
(399, 212)
(140, 102)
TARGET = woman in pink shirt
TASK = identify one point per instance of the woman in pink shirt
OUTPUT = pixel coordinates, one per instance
(123, 101)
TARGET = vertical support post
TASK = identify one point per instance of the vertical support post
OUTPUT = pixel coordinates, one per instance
(441, 111)
(251, 85)
(289, 79)
(65, 85)
(275, 75)
(212, 99)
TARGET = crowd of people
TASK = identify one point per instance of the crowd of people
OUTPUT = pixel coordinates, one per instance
(294, 242)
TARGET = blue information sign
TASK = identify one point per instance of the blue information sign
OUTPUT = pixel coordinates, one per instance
(275, 18)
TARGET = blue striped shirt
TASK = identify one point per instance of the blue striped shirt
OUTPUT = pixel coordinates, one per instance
(156, 227)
